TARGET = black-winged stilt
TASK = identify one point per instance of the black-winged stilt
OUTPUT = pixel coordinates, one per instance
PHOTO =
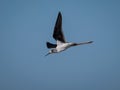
(58, 35)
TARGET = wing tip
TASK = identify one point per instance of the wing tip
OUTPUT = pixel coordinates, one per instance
(59, 13)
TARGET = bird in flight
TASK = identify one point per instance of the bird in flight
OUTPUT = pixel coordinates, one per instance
(58, 35)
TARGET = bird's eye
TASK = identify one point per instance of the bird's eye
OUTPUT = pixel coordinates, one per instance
(52, 50)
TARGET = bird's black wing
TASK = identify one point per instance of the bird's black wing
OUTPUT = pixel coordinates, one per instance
(58, 34)
(50, 45)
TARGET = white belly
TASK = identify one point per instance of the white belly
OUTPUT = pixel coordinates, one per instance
(63, 47)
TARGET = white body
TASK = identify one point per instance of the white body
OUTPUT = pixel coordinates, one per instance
(63, 46)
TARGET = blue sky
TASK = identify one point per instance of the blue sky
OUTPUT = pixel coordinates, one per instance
(26, 25)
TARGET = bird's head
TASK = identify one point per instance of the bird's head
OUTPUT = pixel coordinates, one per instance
(51, 51)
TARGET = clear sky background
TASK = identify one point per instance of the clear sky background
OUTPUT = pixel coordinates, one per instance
(26, 25)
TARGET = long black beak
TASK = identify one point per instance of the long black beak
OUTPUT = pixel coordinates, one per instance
(47, 54)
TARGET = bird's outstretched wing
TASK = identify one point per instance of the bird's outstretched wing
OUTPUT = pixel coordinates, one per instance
(50, 45)
(58, 34)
